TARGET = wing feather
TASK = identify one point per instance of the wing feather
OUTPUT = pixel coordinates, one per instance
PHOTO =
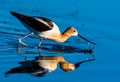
(34, 22)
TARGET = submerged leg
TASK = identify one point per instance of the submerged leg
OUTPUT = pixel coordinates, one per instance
(19, 51)
(39, 44)
(20, 39)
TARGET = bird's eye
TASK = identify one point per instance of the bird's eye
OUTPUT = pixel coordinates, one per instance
(74, 30)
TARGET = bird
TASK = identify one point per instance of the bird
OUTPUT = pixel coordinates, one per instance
(45, 28)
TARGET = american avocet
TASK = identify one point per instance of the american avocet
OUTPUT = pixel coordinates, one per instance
(45, 28)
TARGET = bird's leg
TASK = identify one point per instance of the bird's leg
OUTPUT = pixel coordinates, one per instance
(63, 47)
(20, 39)
(26, 58)
(19, 51)
(39, 51)
(93, 57)
(39, 46)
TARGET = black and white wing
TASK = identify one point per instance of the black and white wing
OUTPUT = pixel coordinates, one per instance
(37, 23)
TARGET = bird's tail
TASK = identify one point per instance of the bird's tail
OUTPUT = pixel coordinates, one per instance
(21, 17)
(15, 14)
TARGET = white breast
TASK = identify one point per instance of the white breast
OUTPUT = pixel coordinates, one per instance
(50, 33)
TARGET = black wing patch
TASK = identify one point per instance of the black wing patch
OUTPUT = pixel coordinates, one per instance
(48, 21)
(34, 23)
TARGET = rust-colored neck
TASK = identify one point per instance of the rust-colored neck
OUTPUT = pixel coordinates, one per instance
(63, 37)
(60, 37)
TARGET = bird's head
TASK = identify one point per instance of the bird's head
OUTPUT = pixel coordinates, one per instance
(71, 31)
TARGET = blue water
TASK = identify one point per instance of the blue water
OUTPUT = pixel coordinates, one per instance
(96, 20)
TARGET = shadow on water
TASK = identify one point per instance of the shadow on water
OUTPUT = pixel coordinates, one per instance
(68, 49)
(55, 48)
(45, 64)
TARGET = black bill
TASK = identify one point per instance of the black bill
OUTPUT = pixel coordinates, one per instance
(86, 39)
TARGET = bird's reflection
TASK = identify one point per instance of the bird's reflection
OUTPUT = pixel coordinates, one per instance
(41, 65)
(45, 64)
